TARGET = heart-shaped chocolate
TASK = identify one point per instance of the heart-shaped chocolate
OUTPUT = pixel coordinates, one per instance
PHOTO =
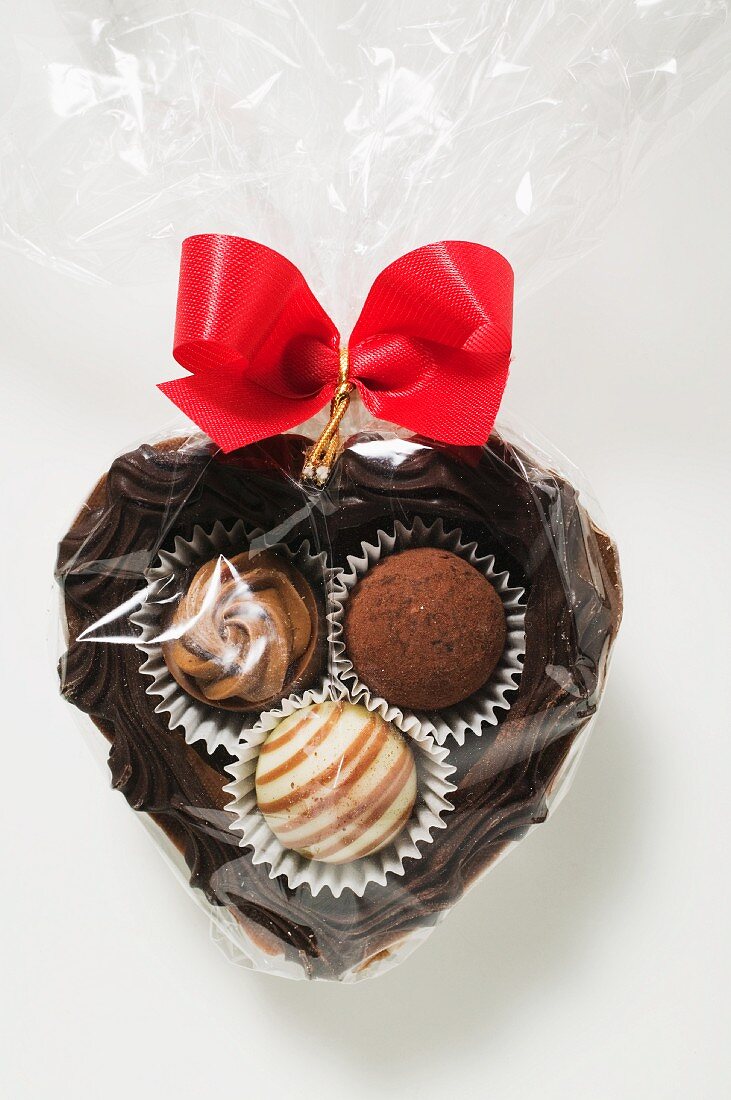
(499, 501)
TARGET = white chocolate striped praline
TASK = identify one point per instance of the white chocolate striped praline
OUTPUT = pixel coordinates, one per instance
(335, 782)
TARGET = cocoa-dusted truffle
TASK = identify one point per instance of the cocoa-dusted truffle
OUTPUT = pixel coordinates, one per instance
(424, 629)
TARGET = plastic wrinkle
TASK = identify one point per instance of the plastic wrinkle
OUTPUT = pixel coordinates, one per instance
(343, 134)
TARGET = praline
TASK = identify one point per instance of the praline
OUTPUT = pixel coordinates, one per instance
(335, 782)
(424, 629)
(244, 632)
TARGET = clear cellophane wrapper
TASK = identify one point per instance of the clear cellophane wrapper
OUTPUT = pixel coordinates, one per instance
(342, 135)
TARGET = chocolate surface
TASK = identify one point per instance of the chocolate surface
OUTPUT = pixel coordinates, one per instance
(244, 632)
(424, 629)
(528, 517)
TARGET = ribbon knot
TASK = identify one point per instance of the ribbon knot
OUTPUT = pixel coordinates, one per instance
(430, 350)
(319, 459)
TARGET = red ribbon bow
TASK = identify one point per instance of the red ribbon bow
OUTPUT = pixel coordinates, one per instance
(430, 350)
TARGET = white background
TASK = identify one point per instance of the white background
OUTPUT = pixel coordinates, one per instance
(594, 962)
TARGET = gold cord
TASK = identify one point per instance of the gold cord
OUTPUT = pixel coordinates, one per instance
(320, 457)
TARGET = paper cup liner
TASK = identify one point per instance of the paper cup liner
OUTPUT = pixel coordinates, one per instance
(203, 722)
(480, 707)
(433, 787)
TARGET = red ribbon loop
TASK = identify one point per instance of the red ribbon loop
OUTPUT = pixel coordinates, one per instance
(430, 350)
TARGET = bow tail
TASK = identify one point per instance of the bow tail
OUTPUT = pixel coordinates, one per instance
(235, 412)
(443, 413)
(449, 394)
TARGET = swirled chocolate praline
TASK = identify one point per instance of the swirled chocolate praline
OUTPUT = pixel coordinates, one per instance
(244, 633)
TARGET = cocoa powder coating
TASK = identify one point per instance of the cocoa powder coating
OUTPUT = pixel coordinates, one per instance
(424, 629)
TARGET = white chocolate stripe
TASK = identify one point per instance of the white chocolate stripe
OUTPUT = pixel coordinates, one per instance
(362, 805)
(301, 755)
(294, 786)
(318, 805)
(280, 748)
(321, 829)
(382, 833)
(374, 813)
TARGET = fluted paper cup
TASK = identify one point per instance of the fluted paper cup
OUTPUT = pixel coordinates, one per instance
(432, 803)
(203, 722)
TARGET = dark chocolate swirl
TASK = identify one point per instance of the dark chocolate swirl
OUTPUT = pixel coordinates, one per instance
(528, 517)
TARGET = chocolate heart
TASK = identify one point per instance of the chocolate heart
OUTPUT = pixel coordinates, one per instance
(528, 517)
